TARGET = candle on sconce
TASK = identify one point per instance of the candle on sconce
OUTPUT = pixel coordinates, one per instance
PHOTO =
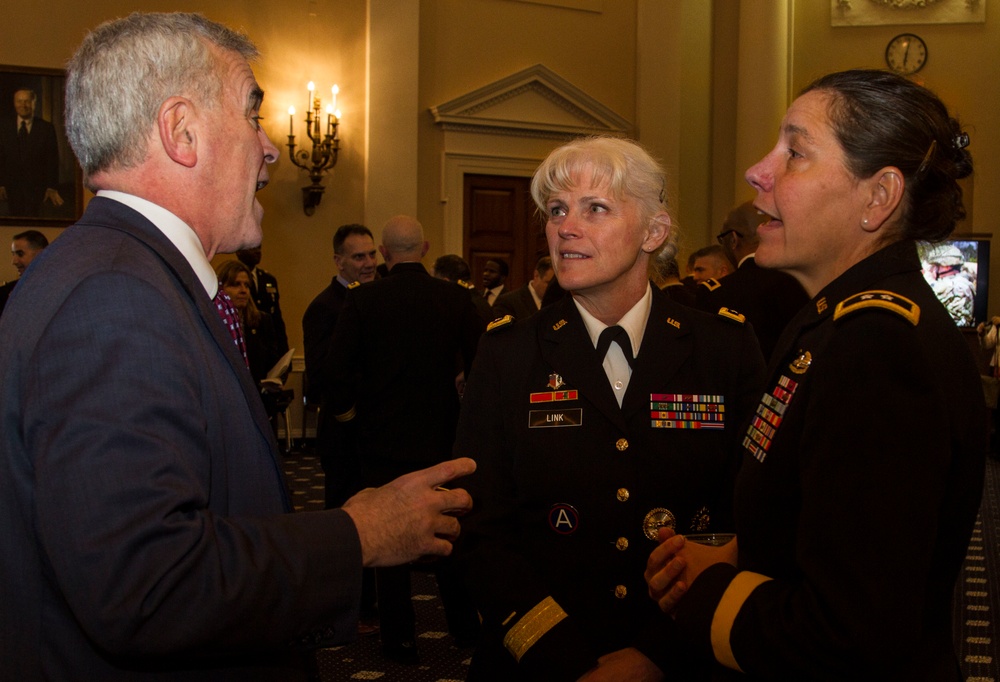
(291, 120)
(311, 87)
(329, 120)
(335, 89)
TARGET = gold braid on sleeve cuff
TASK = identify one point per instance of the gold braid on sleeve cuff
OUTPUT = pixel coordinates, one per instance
(725, 615)
(532, 626)
(346, 416)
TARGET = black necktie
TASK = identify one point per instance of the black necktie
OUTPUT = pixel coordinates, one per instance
(619, 336)
(23, 130)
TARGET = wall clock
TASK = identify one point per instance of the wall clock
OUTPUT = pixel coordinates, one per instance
(906, 54)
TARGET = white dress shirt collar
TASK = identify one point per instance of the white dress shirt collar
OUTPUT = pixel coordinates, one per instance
(177, 231)
(617, 368)
(633, 322)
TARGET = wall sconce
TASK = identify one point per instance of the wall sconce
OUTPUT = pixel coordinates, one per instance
(325, 145)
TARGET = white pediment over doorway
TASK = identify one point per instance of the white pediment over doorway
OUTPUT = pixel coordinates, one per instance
(535, 102)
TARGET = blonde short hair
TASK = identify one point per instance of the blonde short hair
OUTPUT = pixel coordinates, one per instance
(628, 169)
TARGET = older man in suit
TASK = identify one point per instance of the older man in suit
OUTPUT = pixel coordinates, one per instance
(141, 497)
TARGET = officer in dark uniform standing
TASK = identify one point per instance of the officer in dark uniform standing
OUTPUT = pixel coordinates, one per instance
(767, 298)
(863, 467)
(599, 419)
(453, 268)
(264, 290)
(400, 343)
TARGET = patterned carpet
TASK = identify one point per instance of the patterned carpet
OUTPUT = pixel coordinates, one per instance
(977, 594)
(977, 600)
(440, 659)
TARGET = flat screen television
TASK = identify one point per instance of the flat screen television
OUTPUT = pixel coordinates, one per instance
(958, 271)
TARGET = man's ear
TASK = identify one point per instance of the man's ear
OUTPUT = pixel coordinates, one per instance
(176, 126)
(885, 196)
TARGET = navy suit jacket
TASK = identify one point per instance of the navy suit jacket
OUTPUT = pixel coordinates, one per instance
(142, 500)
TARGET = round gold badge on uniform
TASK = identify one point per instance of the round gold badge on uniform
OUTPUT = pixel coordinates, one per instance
(657, 519)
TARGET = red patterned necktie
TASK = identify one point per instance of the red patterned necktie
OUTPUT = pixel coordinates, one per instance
(231, 318)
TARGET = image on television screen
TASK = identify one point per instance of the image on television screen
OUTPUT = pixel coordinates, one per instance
(958, 272)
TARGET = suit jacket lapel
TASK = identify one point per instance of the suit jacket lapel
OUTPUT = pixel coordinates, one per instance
(125, 219)
(566, 347)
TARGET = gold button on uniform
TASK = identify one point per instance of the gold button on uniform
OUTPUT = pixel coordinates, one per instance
(621, 592)
(623, 494)
(622, 544)
(621, 444)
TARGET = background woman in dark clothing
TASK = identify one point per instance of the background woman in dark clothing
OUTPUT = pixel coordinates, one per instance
(258, 327)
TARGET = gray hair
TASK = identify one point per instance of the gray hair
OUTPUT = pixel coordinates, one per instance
(126, 68)
(625, 165)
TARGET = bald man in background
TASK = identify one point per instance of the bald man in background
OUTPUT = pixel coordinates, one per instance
(400, 342)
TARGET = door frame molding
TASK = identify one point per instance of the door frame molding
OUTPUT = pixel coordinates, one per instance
(454, 168)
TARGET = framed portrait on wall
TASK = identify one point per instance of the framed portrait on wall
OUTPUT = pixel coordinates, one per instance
(897, 12)
(40, 179)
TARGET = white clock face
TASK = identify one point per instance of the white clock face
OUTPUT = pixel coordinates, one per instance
(906, 53)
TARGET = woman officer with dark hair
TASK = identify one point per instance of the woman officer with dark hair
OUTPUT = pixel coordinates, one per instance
(863, 467)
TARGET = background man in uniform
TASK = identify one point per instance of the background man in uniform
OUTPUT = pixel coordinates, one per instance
(354, 255)
(143, 510)
(710, 262)
(404, 336)
(454, 269)
(494, 275)
(336, 444)
(264, 291)
(767, 298)
(526, 301)
(23, 249)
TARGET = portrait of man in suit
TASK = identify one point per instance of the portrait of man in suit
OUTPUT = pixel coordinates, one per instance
(29, 159)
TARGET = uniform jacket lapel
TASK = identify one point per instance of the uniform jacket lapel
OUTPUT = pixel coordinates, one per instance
(666, 346)
(566, 347)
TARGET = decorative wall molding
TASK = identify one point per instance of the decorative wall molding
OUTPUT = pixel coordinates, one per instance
(535, 102)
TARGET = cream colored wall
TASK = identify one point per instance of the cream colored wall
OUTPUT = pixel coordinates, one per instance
(466, 44)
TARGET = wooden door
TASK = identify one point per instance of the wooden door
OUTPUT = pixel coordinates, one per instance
(500, 222)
